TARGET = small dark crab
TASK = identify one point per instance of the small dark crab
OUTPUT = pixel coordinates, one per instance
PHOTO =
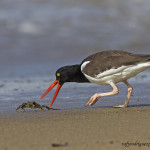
(33, 105)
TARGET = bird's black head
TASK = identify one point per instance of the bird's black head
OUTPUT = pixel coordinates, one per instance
(63, 74)
(69, 74)
(66, 74)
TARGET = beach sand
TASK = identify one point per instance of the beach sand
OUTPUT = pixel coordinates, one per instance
(96, 128)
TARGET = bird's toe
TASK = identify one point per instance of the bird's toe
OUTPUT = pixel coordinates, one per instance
(120, 106)
(92, 100)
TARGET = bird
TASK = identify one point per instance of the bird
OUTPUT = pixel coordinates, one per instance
(103, 68)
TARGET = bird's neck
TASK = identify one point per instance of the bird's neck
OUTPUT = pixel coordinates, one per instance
(77, 75)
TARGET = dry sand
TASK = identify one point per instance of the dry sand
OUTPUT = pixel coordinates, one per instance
(89, 129)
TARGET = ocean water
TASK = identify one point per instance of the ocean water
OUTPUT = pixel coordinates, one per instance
(15, 91)
(39, 36)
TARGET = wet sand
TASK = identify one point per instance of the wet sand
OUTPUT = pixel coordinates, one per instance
(97, 128)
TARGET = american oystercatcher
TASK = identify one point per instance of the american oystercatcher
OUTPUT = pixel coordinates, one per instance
(104, 68)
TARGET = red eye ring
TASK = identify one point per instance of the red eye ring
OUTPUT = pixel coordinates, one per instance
(58, 74)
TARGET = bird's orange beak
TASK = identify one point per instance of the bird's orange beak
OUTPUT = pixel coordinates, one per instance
(56, 93)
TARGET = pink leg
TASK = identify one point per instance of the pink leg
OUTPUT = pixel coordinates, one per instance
(96, 96)
(130, 89)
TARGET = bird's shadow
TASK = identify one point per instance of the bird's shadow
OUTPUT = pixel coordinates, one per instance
(129, 106)
(140, 105)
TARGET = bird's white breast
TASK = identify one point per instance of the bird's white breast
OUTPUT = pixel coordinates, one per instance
(116, 75)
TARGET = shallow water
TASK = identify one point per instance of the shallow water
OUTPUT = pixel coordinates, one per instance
(15, 91)
(39, 36)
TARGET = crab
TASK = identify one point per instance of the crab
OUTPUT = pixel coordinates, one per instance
(33, 105)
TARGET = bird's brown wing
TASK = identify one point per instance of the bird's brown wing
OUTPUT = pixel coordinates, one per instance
(106, 60)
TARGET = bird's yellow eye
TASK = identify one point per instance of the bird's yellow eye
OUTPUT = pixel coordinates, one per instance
(58, 74)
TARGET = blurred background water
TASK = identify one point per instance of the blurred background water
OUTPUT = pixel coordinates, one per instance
(39, 36)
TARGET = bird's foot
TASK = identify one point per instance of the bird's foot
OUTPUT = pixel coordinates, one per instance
(93, 100)
(121, 106)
